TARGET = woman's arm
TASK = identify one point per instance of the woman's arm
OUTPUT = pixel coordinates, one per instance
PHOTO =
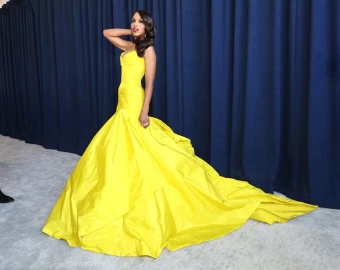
(150, 72)
(113, 35)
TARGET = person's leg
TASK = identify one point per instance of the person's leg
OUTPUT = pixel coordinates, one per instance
(4, 198)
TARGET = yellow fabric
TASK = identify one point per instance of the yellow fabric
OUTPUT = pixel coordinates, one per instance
(135, 191)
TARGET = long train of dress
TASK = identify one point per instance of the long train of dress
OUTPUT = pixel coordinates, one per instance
(135, 191)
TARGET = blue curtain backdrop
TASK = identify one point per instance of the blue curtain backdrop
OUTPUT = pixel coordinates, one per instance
(255, 84)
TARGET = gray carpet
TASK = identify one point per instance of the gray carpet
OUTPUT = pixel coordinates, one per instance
(35, 176)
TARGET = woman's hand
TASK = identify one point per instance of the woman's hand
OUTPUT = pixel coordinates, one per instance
(150, 71)
(144, 120)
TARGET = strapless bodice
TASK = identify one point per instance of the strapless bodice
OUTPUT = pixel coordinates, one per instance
(131, 92)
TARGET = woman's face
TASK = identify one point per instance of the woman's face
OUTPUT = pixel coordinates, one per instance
(137, 26)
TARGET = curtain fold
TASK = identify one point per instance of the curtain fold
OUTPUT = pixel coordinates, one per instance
(253, 83)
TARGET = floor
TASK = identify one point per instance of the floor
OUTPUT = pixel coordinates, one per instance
(35, 177)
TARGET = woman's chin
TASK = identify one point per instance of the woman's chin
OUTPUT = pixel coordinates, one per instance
(137, 35)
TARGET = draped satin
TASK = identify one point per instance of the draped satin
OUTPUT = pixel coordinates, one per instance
(135, 191)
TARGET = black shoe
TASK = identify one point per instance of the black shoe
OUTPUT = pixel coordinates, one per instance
(4, 198)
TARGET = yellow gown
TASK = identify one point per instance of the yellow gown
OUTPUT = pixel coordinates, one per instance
(135, 191)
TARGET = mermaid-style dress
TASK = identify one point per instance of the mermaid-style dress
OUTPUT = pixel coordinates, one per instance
(135, 191)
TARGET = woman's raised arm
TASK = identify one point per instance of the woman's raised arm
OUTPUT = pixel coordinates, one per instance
(113, 35)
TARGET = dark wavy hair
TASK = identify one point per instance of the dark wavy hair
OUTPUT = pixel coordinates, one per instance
(142, 43)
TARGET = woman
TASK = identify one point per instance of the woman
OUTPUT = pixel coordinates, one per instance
(139, 187)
